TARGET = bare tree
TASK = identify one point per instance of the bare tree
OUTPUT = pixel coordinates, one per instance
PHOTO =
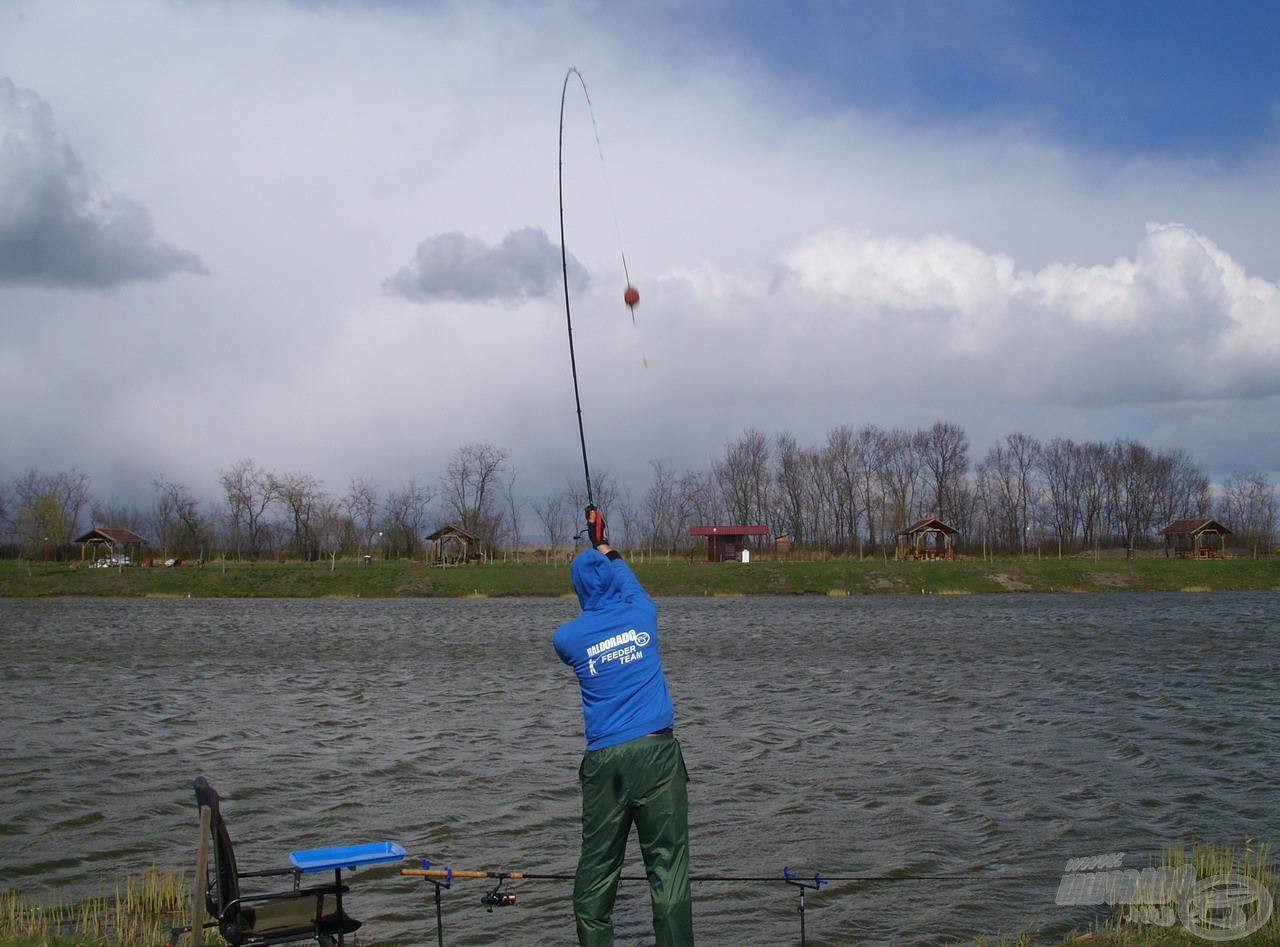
(791, 513)
(470, 487)
(1131, 470)
(331, 526)
(700, 502)
(871, 454)
(405, 516)
(249, 490)
(119, 515)
(662, 513)
(1093, 491)
(553, 513)
(6, 511)
(745, 478)
(627, 515)
(944, 452)
(823, 525)
(898, 470)
(177, 524)
(1249, 508)
(1181, 488)
(1009, 488)
(1062, 473)
(360, 506)
(306, 504)
(512, 508)
(843, 461)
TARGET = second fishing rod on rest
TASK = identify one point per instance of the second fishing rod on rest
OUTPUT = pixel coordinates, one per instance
(817, 879)
(443, 878)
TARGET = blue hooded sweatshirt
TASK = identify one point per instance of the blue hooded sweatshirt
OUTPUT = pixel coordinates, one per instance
(613, 648)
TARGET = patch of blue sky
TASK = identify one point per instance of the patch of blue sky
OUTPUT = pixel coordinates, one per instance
(1178, 77)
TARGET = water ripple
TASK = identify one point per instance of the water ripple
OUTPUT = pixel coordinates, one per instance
(979, 735)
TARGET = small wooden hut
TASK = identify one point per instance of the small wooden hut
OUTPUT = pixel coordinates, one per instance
(115, 540)
(452, 545)
(728, 543)
(1197, 537)
(929, 538)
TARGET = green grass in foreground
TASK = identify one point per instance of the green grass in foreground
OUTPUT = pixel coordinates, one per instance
(142, 911)
(662, 576)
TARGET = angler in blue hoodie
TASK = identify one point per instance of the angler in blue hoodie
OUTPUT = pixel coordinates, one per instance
(633, 771)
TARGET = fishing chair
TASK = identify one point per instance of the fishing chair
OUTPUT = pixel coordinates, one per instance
(292, 915)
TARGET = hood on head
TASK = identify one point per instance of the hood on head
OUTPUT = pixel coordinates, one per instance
(594, 580)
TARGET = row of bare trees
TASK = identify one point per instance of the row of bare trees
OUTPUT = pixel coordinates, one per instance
(857, 490)
(851, 494)
(262, 512)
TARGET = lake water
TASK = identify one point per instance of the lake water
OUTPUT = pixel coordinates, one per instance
(988, 738)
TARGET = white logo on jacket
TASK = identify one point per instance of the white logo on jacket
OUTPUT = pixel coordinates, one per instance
(640, 638)
(623, 648)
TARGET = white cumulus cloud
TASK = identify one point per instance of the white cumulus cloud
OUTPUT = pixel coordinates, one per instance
(1180, 320)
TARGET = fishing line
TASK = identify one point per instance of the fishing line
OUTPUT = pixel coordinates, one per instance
(631, 297)
(608, 188)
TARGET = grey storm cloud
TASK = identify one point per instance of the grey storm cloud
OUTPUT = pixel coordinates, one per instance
(525, 265)
(59, 225)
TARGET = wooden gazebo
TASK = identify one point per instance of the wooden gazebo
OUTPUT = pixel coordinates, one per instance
(727, 543)
(452, 545)
(1197, 537)
(114, 539)
(929, 538)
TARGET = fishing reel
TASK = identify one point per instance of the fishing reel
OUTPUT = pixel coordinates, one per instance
(497, 898)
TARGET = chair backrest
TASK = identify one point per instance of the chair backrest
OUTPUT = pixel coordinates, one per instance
(225, 887)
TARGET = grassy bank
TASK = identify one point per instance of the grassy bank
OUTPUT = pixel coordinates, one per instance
(663, 577)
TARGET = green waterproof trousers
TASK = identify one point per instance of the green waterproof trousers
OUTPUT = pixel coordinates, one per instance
(642, 781)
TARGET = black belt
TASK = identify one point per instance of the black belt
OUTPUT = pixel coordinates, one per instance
(664, 732)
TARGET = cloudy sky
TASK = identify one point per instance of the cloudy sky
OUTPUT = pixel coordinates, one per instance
(326, 235)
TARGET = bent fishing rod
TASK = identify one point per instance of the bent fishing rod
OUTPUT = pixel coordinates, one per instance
(564, 267)
(631, 296)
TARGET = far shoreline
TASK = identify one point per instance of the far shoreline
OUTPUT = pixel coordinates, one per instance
(663, 576)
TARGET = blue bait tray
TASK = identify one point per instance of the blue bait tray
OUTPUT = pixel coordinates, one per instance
(346, 856)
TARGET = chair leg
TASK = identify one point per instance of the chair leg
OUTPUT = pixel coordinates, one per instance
(201, 878)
